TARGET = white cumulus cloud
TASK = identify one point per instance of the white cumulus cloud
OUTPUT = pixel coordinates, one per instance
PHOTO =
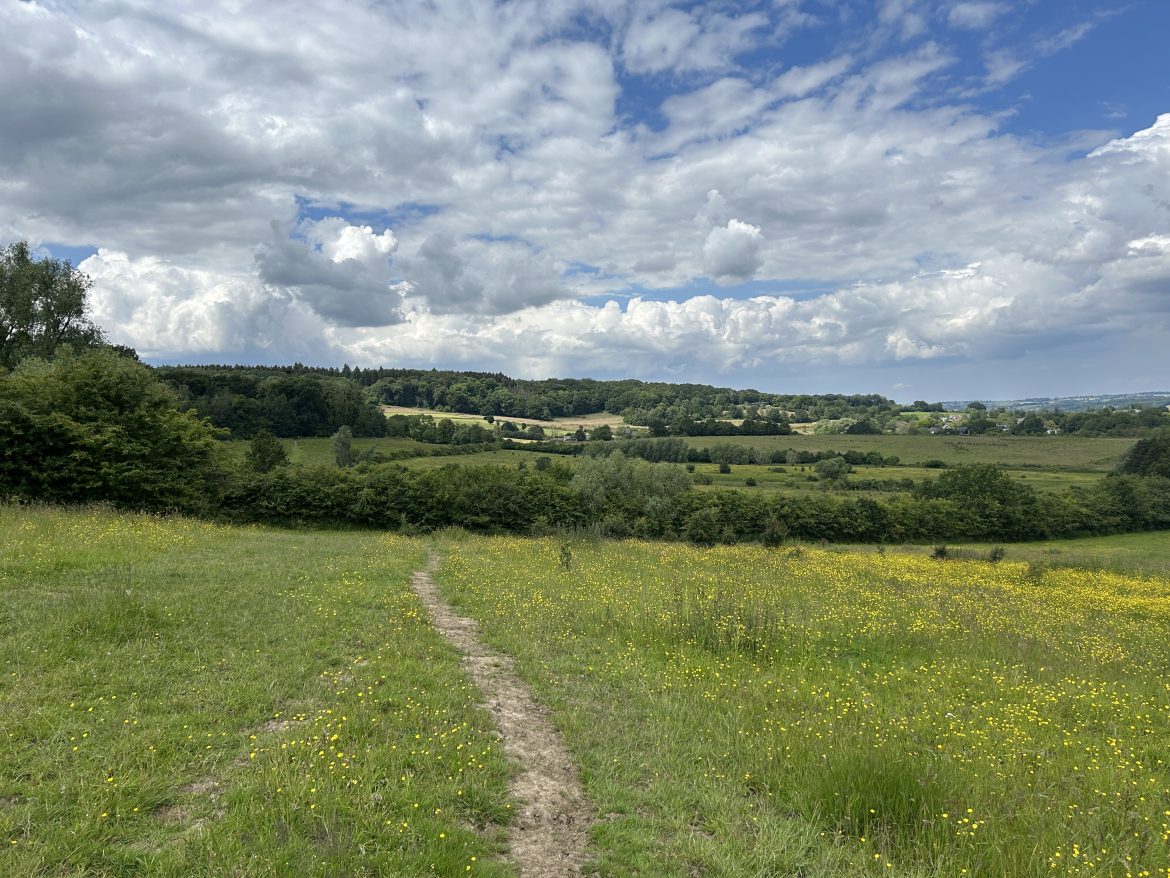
(732, 252)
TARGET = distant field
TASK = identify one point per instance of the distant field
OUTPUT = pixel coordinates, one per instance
(457, 417)
(1049, 463)
(589, 421)
(555, 427)
(493, 458)
(1048, 452)
(184, 699)
(318, 451)
(740, 711)
(796, 478)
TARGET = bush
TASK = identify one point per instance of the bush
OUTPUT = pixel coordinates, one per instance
(265, 452)
(775, 532)
(702, 527)
(342, 447)
(724, 467)
(100, 427)
(1149, 457)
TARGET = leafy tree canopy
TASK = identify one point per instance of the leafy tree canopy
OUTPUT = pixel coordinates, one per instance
(1149, 457)
(42, 306)
(99, 427)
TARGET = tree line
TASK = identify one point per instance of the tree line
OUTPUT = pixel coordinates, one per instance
(84, 422)
(480, 393)
(98, 426)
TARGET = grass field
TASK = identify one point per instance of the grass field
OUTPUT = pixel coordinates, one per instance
(1147, 552)
(1048, 463)
(182, 699)
(513, 457)
(555, 427)
(318, 451)
(795, 479)
(740, 711)
(1046, 452)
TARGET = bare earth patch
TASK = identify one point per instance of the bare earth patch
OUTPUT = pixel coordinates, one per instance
(549, 837)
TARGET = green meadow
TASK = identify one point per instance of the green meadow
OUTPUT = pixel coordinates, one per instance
(185, 699)
(1046, 463)
(795, 712)
(1146, 552)
(1012, 452)
(182, 698)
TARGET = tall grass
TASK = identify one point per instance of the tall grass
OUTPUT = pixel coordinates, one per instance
(740, 711)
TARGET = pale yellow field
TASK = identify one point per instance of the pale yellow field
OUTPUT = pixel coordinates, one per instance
(555, 427)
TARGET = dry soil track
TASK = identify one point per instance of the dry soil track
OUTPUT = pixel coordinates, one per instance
(549, 836)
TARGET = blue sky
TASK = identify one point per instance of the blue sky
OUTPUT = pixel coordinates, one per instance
(921, 198)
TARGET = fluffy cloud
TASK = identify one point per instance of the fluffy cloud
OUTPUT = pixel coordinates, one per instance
(732, 252)
(340, 271)
(168, 312)
(478, 276)
(325, 184)
(673, 39)
(975, 15)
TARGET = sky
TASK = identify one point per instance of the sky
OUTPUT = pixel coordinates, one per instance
(928, 199)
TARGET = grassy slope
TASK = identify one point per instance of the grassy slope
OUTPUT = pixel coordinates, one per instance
(794, 479)
(184, 699)
(1047, 463)
(318, 451)
(743, 712)
(1046, 452)
(555, 427)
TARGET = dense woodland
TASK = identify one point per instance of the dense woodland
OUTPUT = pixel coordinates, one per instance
(649, 404)
(303, 401)
(83, 422)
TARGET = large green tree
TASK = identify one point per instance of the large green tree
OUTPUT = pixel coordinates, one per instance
(42, 306)
(99, 427)
(988, 504)
(1149, 456)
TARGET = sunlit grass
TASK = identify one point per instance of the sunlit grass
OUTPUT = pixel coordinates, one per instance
(1044, 452)
(1147, 552)
(743, 711)
(185, 699)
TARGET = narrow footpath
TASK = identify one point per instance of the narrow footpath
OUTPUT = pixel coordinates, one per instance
(549, 836)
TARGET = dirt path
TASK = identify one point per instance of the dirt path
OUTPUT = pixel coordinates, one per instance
(548, 839)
